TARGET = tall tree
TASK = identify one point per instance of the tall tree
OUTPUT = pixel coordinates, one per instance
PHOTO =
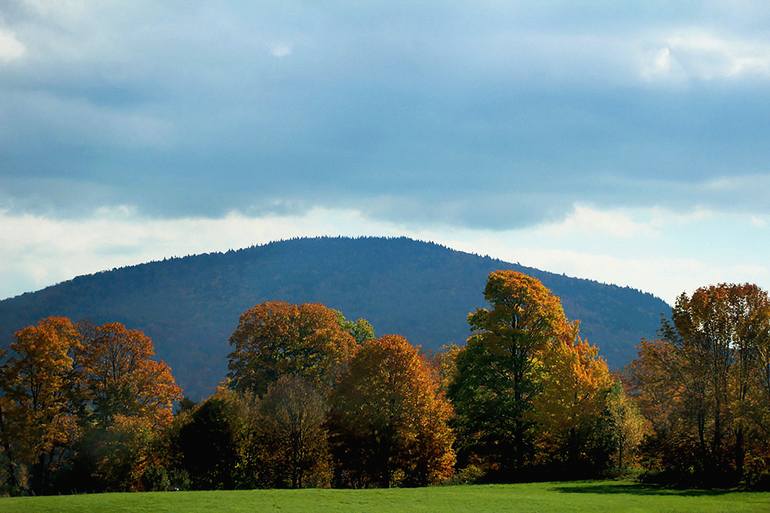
(699, 387)
(749, 313)
(496, 378)
(390, 419)
(38, 386)
(121, 377)
(277, 338)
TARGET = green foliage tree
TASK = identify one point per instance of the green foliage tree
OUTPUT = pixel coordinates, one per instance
(360, 329)
(496, 380)
(208, 440)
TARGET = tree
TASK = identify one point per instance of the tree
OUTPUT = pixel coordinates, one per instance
(390, 419)
(360, 329)
(208, 440)
(38, 418)
(574, 385)
(701, 387)
(120, 376)
(749, 313)
(292, 434)
(277, 338)
(628, 423)
(444, 364)
(496, 380)
(122, 453)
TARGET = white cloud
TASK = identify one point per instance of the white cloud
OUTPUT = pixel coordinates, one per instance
(661, 64)
(702, 55)
(10, 47)
(280, 50)
(613, 223)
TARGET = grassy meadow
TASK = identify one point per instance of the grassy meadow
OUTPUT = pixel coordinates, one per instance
(566, 497)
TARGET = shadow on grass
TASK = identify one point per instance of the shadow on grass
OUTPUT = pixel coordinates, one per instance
(637, 489)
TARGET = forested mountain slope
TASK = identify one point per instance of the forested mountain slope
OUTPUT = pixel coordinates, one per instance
(190, 305)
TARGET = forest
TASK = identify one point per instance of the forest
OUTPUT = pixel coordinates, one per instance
(314, 399)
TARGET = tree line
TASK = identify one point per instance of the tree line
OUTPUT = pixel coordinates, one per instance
(704, 387)
(312, 399)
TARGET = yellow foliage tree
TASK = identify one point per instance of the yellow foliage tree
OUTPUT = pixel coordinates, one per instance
(575, 383)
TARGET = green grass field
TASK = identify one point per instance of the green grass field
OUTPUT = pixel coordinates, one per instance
(584, 496)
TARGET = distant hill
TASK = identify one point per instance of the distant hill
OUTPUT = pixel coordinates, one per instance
(190, 305)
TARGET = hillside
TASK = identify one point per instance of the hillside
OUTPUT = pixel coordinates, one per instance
(190, 305)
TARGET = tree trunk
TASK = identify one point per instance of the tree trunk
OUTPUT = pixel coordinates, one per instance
(11, 467)
(740, 453)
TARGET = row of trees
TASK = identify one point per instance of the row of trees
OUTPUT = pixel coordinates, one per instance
(70, 396)
(314, 399)
(705, 388)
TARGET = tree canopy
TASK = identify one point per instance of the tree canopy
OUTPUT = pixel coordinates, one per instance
(391, 419)
(277, 338)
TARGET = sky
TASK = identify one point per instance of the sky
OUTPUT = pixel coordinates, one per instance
(626, 142)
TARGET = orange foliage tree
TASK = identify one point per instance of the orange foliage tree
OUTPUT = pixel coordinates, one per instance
(38, 412)
(703, 387)
(277, 338)
(121, 378)
(390, 418)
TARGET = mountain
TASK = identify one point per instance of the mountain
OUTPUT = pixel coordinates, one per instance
(190, 305)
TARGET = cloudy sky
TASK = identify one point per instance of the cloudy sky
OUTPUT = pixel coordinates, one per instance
(627, 142)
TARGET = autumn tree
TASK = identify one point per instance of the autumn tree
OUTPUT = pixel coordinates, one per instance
(700, 388)
(628, 424)
(121, 377)
(277, 338)
(38, 403)
(119, 456)
(574, 384)
(127, 399)
(496, 379)
(749, 313)
(390, 419)
(291, 437)
(444, 365)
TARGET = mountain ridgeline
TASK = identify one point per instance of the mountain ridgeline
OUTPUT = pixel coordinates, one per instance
(424, 291)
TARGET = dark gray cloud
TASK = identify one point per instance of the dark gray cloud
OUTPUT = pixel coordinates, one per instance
(489, 114)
